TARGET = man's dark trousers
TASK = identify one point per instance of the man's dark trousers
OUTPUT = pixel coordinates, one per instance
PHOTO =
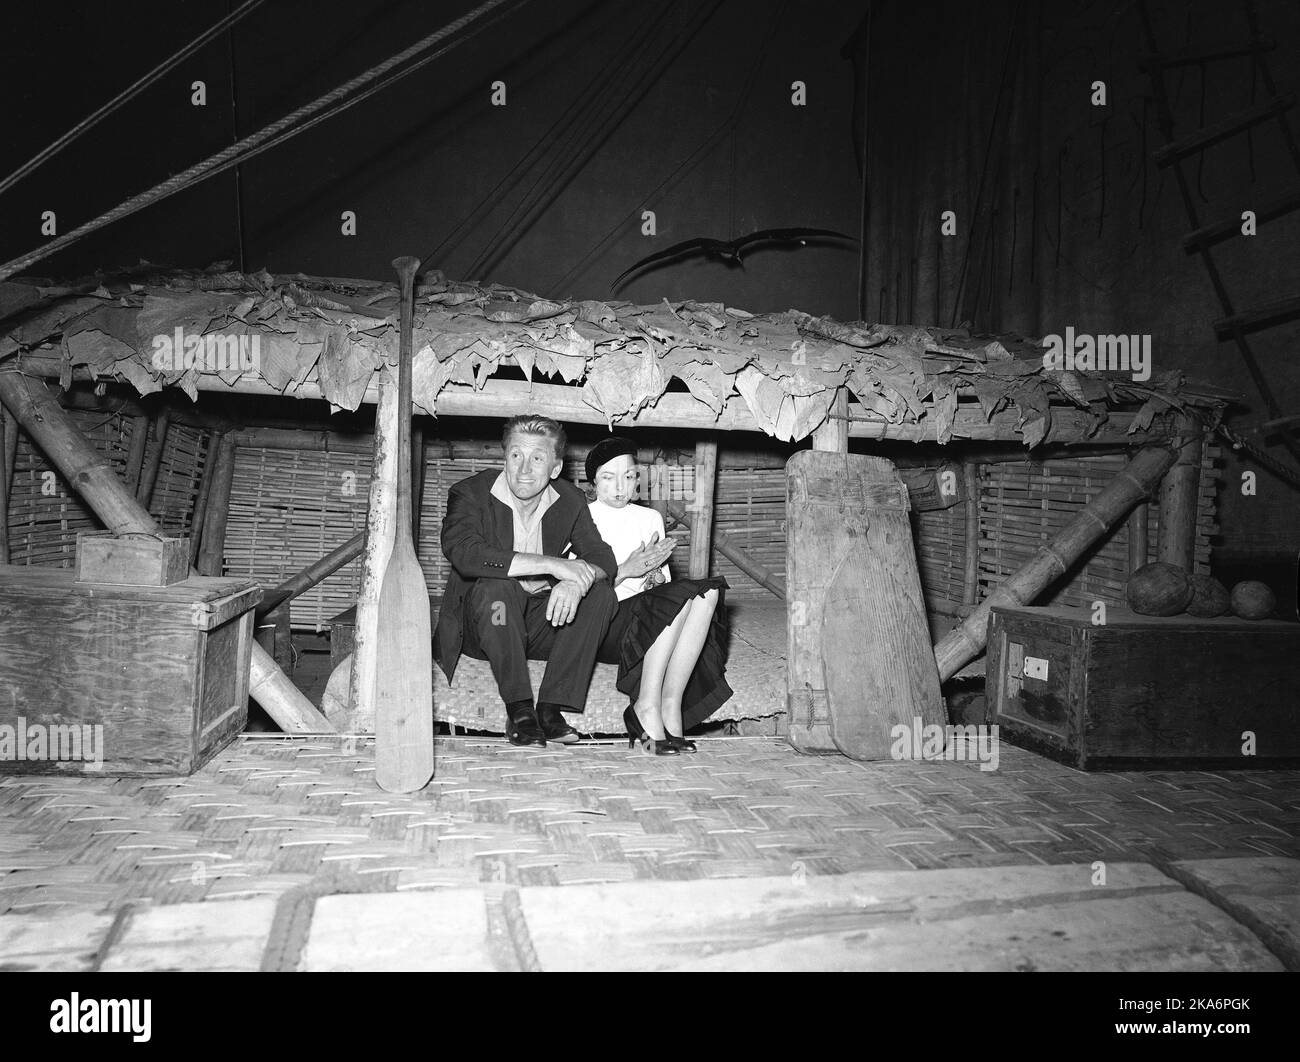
(507, 626)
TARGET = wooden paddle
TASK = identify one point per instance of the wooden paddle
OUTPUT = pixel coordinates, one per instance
(404, 679)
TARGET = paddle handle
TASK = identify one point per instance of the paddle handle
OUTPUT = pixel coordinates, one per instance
(406, 267)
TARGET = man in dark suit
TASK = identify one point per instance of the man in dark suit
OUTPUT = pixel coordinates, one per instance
(512, 593)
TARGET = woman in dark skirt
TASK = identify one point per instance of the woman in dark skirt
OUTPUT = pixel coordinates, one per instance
(668, 636)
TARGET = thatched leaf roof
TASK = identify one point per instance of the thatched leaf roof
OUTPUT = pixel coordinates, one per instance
(333, 335)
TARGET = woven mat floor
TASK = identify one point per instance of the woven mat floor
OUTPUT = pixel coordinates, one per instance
(273, 813)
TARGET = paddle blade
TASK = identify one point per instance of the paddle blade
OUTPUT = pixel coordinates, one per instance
(404, 686)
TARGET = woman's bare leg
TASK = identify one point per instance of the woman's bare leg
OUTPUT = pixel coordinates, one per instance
(686, 653)
(653, 665)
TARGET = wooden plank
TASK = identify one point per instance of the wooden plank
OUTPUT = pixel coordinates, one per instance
(978, 918)
(875, 641)
(706, 470)
(841, 505)
(1206, 136)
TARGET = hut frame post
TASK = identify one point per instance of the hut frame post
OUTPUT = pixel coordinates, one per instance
(199, 518)
(135, 453)
(212, 546)
(971, 575)
(706, 474)
(833, 435)
(144, 492)
(1176, 542)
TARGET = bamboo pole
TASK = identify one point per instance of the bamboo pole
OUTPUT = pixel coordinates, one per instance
(5, 479)
(706, 472)
(7, 453)
(725, 545)
(313, 574)
(135, 453)
(54, 432)
(1138, 544)
(212, 547)
(971, 572)
(1131, 485)
(1176, 536)
(154, 460)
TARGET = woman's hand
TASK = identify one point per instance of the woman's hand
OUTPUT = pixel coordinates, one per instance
(646, 558)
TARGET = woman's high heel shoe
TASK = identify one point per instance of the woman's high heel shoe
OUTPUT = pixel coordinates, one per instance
(679, 743)
(636, 734)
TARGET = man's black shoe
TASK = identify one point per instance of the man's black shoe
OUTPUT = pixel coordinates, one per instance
(554, 725)
(522, 727)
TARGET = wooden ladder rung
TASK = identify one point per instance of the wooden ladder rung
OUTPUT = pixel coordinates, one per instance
(1273, 313)
(1209, 235)
(1212, 134)
(1192, 56)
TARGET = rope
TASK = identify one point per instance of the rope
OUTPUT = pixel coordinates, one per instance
(684, 169)
(1283, 472)
(240, 150)
(506, 239)
(127, 95)
(572, 113)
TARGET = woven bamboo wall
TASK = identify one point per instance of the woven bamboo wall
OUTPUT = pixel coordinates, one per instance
(45, 513)
(180, 474)
(290, 507)
(1024, 504)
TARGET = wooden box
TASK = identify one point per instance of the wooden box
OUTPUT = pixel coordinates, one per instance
(162, 672)
(133, 560)
(1145, 690)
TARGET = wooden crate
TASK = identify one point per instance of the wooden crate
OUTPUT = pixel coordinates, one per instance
(163, 670)
(1144, 690)
(132, 560)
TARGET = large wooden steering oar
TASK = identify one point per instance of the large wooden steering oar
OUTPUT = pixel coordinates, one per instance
(404, 679)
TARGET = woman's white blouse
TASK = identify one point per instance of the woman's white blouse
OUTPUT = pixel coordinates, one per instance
(624, 530)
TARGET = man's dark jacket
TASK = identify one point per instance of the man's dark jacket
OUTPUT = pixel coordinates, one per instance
(478, 536)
